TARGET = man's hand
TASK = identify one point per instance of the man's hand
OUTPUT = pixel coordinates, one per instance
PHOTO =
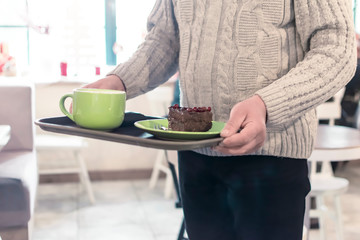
(245, 132)
(110, 82)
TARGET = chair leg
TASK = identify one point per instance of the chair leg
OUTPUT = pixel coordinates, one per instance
(169, 187)
(305, 233)
(339, 226)
(160, 165)
(156, 170)
(84, 177)
(168, 191)
(176, 182)
(319, 206)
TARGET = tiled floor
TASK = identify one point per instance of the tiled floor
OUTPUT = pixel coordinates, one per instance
(124, 210)
(129, 210)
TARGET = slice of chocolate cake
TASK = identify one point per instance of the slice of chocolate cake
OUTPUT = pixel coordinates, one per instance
(197, 119)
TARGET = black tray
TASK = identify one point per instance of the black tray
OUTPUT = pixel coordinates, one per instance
(127, 133)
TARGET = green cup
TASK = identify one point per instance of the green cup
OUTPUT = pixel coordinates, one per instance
(100, 109)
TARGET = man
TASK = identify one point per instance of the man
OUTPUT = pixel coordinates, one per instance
(262, 66)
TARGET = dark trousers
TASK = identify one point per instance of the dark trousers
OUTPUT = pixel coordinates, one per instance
(243, 197)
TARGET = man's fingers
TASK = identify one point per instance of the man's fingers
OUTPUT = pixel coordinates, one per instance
(230, 129)
(248, 140)
(233, 125)
(239, 138)
(247, 148)
(248, 116)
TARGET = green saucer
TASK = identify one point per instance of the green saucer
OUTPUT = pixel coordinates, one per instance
(150, 126)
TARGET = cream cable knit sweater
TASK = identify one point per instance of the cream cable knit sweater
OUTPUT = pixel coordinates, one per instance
(295, 54)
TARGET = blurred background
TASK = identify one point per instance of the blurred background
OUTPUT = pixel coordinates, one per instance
(59, 45)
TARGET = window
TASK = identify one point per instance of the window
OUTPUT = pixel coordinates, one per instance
(13, 29)
(76, 35)
(131, 25)
(41, 33)
(356, 13)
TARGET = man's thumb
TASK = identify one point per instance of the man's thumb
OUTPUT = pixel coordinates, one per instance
(230, 128)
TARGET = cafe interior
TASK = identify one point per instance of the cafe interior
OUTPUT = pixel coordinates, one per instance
(56, 185)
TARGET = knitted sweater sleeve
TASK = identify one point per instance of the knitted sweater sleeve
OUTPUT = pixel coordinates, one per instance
(156, 59)
(326, 32)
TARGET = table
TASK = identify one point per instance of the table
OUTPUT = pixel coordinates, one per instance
(333, 143)
(4, 135)
(336, 143)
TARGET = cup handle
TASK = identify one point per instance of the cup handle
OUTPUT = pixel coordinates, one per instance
(62, 105)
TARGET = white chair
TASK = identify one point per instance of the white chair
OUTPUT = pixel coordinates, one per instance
(331, 110)
(18, 160)
(323, 182)
(69, 145)
(161, 165)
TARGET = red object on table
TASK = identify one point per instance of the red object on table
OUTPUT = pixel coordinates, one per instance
(63, 68)
(97, 70)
